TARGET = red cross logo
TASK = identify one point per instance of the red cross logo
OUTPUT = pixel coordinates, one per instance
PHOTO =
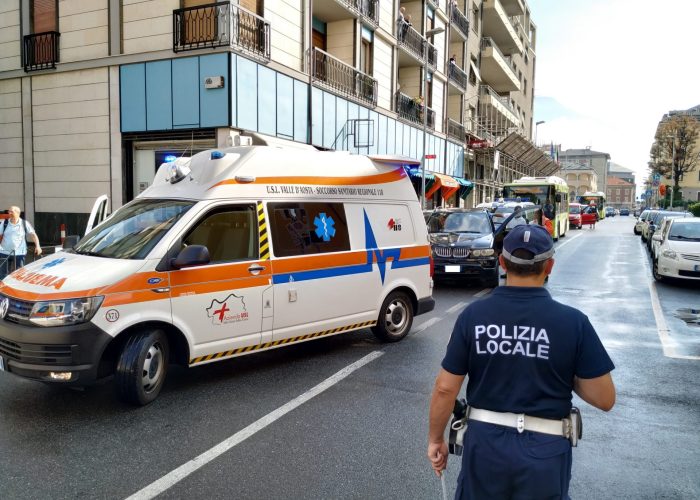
(221, 312)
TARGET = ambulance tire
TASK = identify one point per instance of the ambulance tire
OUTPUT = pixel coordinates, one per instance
(142, 366)
(395, 318)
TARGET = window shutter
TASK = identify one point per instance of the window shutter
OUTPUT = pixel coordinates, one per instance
(44, 16)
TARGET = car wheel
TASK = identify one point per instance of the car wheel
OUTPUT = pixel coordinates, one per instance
(395, 318)
(655, 270)
(635, 231)
(142, 366)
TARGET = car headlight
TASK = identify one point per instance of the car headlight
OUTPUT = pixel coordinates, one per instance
(486, 252)
(669, 254)
(65, 312)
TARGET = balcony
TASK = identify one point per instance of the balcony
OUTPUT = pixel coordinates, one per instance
(513, 7)
(40, 51)
(497, 26)
(455, 130)
(411, 110)
(496, 69)
(221, 25)
(498, 105)
(459, 24)
(414, 47)
(337, 10)
(342, 79)
(458, 79)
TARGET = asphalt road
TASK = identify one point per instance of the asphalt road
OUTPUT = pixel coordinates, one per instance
(365, 435)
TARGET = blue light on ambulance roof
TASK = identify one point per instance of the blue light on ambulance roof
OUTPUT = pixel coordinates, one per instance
(216, 155)
(170, 158)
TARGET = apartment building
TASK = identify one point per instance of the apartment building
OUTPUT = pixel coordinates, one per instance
(620, 193)
(588, 158)
(624, 173)
(95, 95)
(579, 178)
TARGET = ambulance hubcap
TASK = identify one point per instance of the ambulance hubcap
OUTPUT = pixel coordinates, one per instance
(396, 316)
(152, 367)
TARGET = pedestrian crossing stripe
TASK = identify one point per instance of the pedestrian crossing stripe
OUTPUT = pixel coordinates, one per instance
(262, 234)
(281, 342)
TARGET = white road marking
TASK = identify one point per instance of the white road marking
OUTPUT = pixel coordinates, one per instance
(483, 292)
(424, 326)
(457, 307)
(568, 241)
(667, 343)
(177, 475)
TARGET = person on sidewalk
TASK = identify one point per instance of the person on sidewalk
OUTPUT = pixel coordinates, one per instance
(13, 242)
(524, 354)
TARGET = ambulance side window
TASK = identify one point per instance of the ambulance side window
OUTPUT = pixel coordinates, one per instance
(229, 233)
(308, 228)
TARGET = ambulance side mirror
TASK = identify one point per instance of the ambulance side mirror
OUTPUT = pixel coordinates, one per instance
(70, 241)
(193, 255)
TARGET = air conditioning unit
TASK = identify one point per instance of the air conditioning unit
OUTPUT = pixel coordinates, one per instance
(214, 82)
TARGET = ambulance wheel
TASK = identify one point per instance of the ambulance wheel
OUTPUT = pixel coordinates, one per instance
(142, 366)
(395, 318)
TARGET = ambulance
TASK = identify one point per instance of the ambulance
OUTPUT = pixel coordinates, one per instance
(229, 252)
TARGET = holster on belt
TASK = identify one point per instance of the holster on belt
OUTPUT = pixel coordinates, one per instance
(458, 426)
(573, 426)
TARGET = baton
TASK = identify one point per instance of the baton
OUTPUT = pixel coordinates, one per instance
(444, 486)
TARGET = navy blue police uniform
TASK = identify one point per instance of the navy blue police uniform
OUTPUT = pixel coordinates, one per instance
(521, 351)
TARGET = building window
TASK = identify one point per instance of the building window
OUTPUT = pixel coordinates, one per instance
(44, 16)
(525, 87)
(367, 51)
(476, 17)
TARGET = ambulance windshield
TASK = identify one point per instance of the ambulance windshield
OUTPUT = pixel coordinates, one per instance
(133, 230)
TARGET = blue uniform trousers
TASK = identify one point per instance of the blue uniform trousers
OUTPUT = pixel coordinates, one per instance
(500, 463)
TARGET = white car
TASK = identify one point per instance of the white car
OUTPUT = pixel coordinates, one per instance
(678, 249)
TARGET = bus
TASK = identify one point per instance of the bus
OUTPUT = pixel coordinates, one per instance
(551, 193)
(598, 199)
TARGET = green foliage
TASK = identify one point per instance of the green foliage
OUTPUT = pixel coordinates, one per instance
(695, 209)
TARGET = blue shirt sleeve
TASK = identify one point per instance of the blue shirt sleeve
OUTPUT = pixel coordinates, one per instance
(592, 359)
(456, 360)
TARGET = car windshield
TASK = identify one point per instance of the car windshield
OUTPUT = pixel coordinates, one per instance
(459, 222)
(684, 231)
(659, 216)
(133, 230)
(574, 210)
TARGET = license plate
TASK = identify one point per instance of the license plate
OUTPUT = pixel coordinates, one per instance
(452, 269)
(2, 364)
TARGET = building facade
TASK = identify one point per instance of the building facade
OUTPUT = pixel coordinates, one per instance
(588, 158)
(620, 193)
(95, 95)
(579, 178)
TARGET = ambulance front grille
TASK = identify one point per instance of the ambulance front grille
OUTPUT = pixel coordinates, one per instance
(37, 354)
(18, 311)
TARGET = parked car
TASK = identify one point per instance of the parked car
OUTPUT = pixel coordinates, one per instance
(502, 212)
(575, 215)
(609, 212)
(654, 221)
(678, 249)
(625, 211)
(639, 227)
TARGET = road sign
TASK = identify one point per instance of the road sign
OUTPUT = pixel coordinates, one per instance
(430, 157)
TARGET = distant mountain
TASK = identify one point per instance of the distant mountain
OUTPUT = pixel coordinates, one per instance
(548, 109)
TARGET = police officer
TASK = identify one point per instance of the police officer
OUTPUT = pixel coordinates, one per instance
(522, 368)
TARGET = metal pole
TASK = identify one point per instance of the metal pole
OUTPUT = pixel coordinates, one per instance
(424, 86)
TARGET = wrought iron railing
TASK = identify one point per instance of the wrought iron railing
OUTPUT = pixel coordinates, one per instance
(409, 39)
(219, 25)
(459, 20)
(457, 76)
(412, 110)
(342, 78)
(485, 90)
(455, 130)
(432, 55)
(41, 51)
(369, 9)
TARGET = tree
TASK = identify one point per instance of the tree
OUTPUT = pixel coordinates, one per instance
(674, 152)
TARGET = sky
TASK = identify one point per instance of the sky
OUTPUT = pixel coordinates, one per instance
(608, 70)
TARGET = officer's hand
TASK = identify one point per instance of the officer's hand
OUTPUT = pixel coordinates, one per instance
(437, 454)
(37, 250)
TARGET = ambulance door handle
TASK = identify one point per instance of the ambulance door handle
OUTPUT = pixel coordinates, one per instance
(255, 269)
(161, 290)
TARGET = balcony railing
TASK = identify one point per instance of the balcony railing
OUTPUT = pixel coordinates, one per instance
(459, 20)
(41, 51)
(456, 76)
(369, 9)
(455, 130)
(342, 78)
(411, 110)
(432, 55)
(219, 25)
(409, 39)
(485, 90)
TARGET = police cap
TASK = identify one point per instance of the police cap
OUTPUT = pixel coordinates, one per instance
(530, 237)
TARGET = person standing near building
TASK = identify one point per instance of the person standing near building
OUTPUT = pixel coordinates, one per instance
(524, 354)
(13, 242)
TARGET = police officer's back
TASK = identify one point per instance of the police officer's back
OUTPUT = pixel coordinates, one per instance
(524, 353)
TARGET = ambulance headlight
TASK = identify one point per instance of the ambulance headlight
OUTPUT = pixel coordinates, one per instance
(64, 312)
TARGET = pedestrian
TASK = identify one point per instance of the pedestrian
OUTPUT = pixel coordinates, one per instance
(453, 59)
(524, 354)
(13, 242)
(517, 219)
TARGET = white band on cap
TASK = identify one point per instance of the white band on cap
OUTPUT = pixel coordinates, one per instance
(528, 262)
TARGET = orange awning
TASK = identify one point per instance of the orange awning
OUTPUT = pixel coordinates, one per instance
(448, 185)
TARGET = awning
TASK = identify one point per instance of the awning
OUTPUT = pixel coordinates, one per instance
(465, 187)
(448, 184)
(520, 149)
(416, 174)
(475, 70)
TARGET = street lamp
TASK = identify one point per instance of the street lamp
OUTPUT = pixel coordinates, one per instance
(537, 125)
(424, 84)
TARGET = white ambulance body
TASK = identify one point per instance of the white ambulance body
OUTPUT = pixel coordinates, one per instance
(229, 252)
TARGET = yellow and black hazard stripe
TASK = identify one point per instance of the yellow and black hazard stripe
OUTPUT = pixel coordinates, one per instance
(278, 343)
(262, 233)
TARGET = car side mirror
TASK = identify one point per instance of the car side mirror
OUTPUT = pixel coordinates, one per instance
(69, 242)
(657, 237)
(193, 255)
